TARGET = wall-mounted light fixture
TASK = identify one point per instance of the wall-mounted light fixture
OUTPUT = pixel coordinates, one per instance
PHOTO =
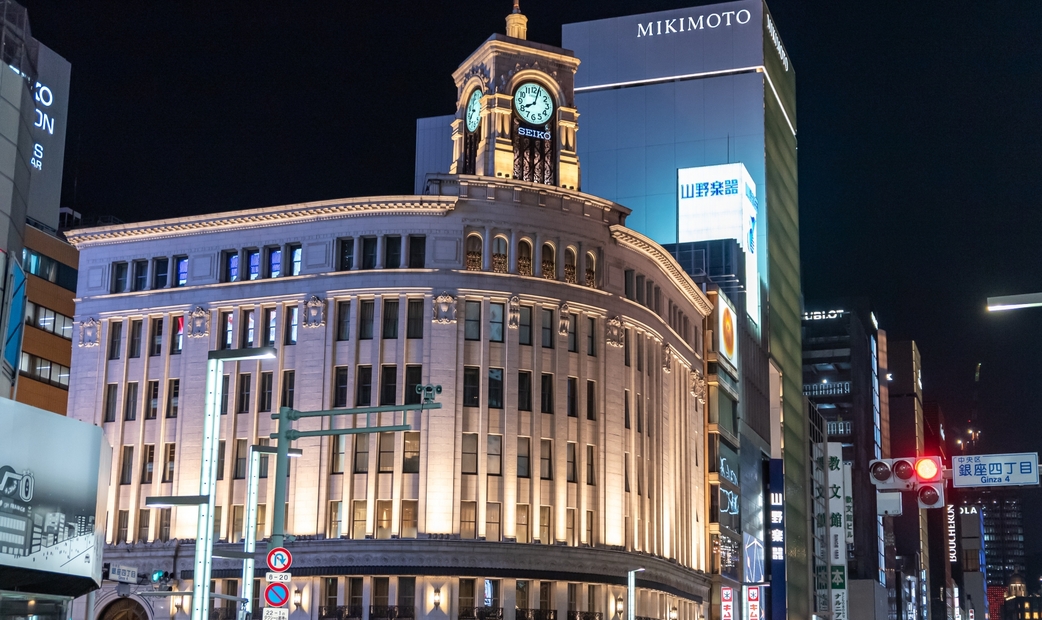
(437, 597)
(673, 613)
(179, 602)
(297, 596)
(618, 605)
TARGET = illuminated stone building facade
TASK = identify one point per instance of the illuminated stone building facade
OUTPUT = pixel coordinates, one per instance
(570, 445)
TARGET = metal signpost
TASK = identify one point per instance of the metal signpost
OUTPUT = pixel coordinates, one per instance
(995, 470)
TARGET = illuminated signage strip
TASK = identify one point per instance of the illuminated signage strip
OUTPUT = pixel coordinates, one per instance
(826, 389)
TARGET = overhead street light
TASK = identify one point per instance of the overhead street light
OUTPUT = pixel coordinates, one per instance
(1014, 302)
(631, 587)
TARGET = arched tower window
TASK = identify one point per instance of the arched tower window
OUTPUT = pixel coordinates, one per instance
(591, 269)
(499, 254)
(569, 265)
(549, 263)
(474, 252)
(524, 258)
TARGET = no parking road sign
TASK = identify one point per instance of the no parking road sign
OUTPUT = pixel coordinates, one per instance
(280, 559)
(276, 594)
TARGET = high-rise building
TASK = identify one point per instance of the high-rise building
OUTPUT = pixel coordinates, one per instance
(1003, 516)
(972, 563)
(570, 445)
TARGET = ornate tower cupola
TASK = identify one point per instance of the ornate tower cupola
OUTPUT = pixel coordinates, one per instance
(515, 112)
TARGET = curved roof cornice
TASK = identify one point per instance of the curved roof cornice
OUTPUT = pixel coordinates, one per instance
(639, 243)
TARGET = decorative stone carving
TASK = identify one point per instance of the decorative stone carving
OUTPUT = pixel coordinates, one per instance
(667, 358)
(698, 386)
(89, 333)
(315, 312)
(614, 332)
(514, 312)
(199, 323)
(563, 319)
(444, 309)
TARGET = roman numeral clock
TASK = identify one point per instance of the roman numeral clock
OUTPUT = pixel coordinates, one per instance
(515, 113)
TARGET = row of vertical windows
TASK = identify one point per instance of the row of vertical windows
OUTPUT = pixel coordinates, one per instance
(143, 523)
(135, 275)
(48, 320)
(472, 391)
(148, 458)
(387, 387)
(362, 253)
(645, 292)
(546, 268)
(154, 343)
(257, 263)
(389, 329)
(112, 403)
(47, 268)
(44, 370)
(385, 458)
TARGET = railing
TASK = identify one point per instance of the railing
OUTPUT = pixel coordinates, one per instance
(524, 266)
(549, 270)
(473, 261)
(584, 615)
(591, 278)
(499, 263)
(481, 613)
(644, 618)
(569, 274)
(536, 614)
(341, 612)
(390, 612)
(223, 613)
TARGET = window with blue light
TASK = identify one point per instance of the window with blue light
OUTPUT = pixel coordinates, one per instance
(253, 263)
(274, 262)
(181, 265)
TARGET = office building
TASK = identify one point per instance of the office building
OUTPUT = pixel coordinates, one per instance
(569, 447)
(972, 563)
(1003, 516)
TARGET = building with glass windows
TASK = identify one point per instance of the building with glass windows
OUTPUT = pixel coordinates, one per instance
(570, 446)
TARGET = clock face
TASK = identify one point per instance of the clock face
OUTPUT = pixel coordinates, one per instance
(474, 111)
(533, 103)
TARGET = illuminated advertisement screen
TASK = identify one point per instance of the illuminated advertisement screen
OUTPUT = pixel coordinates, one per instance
(51, 98)
(726, 330)
(719, 202)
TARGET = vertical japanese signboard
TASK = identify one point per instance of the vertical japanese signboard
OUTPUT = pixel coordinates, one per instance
(726, 603)
(776, 536)
(837, 531)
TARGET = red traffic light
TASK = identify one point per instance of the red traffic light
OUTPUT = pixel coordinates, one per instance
(928, 469)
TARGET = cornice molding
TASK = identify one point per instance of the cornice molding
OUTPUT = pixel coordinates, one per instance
(639, 243)
(268, 216)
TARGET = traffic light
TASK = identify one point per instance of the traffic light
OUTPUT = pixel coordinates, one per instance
(893, 474)
(160, 576)
(929, 474)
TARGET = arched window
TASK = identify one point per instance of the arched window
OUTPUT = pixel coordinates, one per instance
(549, 264)
(591, 269)
(524, 258)
(499, 254)
(474, 252)
(569, 265)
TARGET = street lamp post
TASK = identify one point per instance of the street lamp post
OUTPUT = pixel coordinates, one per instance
(631, 587)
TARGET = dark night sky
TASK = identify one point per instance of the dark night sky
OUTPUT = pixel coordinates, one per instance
(920, 147)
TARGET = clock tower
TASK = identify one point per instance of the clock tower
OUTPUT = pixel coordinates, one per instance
(515, 111)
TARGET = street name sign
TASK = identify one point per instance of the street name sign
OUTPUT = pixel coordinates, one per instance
(278, 577)
(122, 574)
(995, 470)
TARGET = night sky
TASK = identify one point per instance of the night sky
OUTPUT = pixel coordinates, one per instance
(920, 147)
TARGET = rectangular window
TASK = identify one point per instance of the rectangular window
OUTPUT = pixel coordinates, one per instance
(383, 532)
(495, 388)
(337, 453)
(392, 252)
(130, 402)
(569, 521)
(152, 406)
(227, 332)
(267, 379)
(119, 277)
(411, 456)
(140, 275)
(231, 266)
(168, 462)
(115, 339)
(590, 467)
(161, 273)
(295, 255)
(148, 463)
(347, 255)
(340, 386)
(365, 319)
(524, 390)
(626, 407)
(122, 525)
(548, 329)
(573, 337)
(288, 379)
(241, 459)
(164, 524)
(524, 327)
(640, 353)
(626, 471)
(472, 320)
(524, 458)
(494, 456)
(471, 386)
(142, 525)
(640, 414)
(385, 457)
(248, 338)
(180, 271)
(468, 521)
(545, 531)
(591, 342)
(364, 384)
(591, 400)
(413, 380)
(368, 252)
(388, 384)
(156, 348)
(220, 459)
(111, 402)
(546, 463)
(626, 346)
(274, 262)
(226, 382)
(173, 397)
(177, 334)
(546, 398)
(410, 521)
(253, 263)
(589, 529)
(521, 524)
(361, 454)
(570, 465)
(336, 518)
(135, 339)
(414, 319)
(466, 595)
(358, 522)
(417, 251)
(270, 321)
(495, 322)
(573, 396)
(126, 471)
(469, 462)
(243, 402)
(492, 522)
(343, 320)
(292, 314)
(390, 319)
